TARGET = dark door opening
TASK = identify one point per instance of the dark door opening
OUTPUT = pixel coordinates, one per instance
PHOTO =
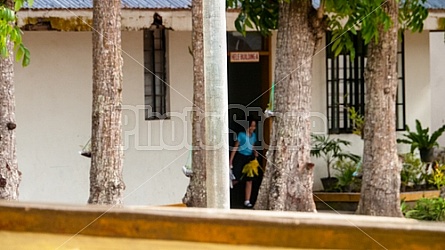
(248, 94)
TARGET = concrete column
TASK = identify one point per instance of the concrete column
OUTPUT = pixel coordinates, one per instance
(215, 74)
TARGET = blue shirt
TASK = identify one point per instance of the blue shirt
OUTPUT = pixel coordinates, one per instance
(246, 143)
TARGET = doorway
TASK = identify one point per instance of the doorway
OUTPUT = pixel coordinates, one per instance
(249, 80)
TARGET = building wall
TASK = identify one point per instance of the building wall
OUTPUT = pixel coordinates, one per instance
(437, 52)
(417, 73)
(53, 109)
(156, 150)
(54, 121)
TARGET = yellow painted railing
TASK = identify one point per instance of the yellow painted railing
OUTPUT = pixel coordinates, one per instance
(233, 227)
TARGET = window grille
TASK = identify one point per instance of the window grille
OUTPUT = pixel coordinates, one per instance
(155, 87)
(345, 86)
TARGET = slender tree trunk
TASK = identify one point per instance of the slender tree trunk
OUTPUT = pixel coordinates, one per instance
(196, 191)
(288, 180)
(380, 194)
(106, 182)
(10, 176)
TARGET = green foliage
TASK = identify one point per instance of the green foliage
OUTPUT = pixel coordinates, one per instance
(358, 121)
(404, 207)
(331, 150)
(260, 14)
(412, 170)
(8, 29)
(420, 139)
(18, 4)
(347, 182)
(431, 209)
(412, 13)
(346, 17)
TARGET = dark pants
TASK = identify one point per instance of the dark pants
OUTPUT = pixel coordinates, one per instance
(237, 196)
(238, 163)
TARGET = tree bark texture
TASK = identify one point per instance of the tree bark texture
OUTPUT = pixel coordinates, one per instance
(196, 191)
(380, 193)
(106, 182)
(10, 176)
(288, 179)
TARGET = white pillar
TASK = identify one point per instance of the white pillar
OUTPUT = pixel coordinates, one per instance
(215, 75)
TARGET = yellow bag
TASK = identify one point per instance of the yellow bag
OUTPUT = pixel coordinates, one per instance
(251, 168)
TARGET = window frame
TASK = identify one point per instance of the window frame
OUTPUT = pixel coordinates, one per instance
(156, 91)
(341, 72)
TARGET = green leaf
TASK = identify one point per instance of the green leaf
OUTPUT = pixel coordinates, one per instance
(18, 5)
(338, 50)
(248, 23)
(238, 25)
(8, 15)
(19, 54)
(353, 30)
(26, 58)
(352, 53)
(4, 51)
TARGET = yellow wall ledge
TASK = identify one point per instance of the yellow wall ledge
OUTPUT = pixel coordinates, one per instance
(235, 227)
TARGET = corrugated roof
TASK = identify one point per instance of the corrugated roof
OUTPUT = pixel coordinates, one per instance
(158, 4)
(435, 4)
(128, 4)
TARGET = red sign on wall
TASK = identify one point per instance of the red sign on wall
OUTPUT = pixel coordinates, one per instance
(244, 56)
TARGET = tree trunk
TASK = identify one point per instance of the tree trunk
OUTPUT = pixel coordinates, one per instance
(196, 191)
(380, 194)
(288, 179)
(106, 182)
(9, 174)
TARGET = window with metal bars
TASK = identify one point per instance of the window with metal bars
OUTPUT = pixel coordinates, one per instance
(155, 87)
(345, 86)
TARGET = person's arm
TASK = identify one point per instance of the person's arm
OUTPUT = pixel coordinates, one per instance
(232, 154)
(255, 153)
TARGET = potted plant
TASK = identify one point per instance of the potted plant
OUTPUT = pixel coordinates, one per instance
(347, 182)
(411, 174)
(420, 139)
(331, 151)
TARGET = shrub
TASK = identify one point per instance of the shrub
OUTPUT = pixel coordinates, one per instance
(412, 170)
(347, 182)
(431, 209)
(331, 150)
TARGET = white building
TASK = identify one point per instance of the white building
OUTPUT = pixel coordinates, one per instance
(53, 96)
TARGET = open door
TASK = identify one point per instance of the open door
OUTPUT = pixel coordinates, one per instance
(248, 91)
